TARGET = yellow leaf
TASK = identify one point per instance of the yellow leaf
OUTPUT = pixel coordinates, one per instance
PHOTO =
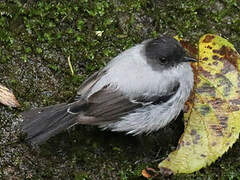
(7, 97)
(213, 117)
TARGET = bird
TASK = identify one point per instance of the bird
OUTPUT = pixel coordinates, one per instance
(139, 91)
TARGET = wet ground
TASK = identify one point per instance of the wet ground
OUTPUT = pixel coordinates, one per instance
(36, 39)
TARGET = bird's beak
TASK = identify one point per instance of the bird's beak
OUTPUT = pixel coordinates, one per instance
(188, 59)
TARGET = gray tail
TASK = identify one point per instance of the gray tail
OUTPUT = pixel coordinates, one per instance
(42, 123)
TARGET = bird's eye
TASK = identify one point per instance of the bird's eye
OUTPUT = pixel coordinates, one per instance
(163, 60)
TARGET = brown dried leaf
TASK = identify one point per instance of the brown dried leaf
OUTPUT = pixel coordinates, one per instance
(149, 173)
(7, 97)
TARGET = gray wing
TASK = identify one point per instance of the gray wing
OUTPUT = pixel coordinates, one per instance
(89, 83)
(108, 104)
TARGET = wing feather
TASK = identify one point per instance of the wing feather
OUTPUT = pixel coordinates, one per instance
(109, 104)
(88, 84)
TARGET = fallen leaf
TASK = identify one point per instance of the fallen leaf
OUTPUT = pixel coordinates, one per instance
(212, 120)
(7, 97)
(149, 173)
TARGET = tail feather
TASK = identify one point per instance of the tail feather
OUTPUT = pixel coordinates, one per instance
(42, 123)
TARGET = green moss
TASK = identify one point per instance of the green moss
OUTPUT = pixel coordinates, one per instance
(36, 39)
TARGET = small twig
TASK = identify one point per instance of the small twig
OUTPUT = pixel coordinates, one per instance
(70, 65)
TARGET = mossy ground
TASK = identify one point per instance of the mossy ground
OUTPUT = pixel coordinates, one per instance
(36, 39)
